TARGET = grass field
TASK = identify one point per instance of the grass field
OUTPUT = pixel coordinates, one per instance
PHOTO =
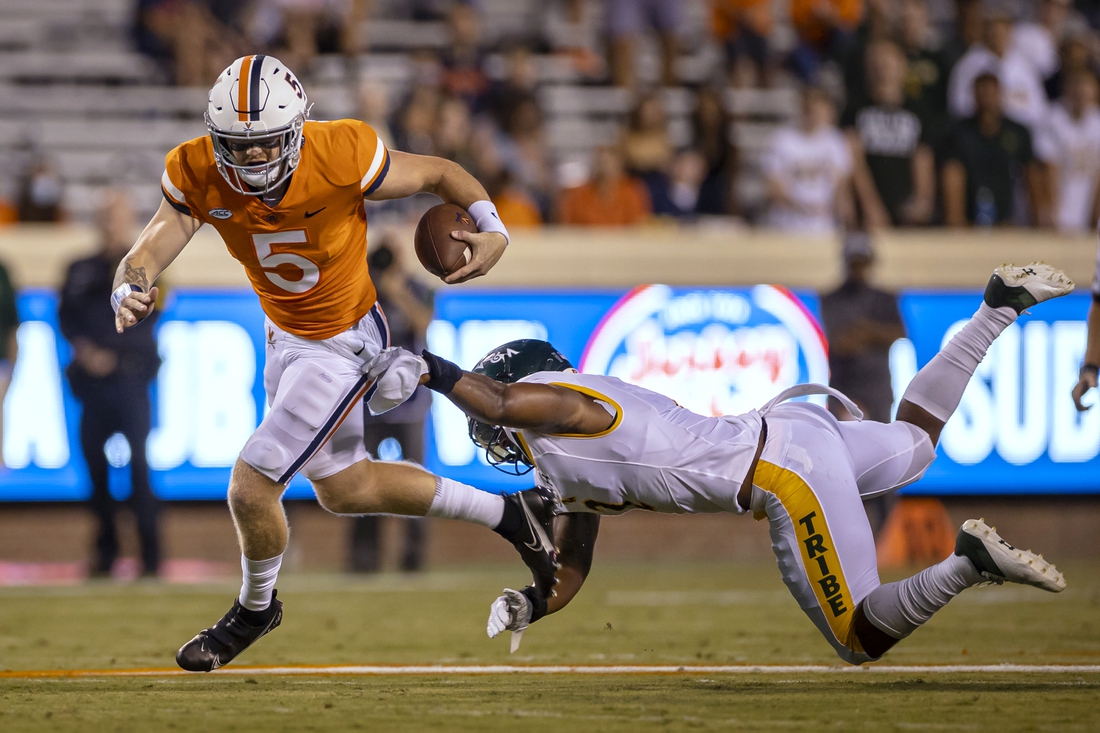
(674, 614)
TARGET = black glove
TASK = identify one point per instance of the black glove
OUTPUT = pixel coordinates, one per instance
(442, 374)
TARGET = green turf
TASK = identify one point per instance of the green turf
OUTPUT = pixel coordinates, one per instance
(720, 613)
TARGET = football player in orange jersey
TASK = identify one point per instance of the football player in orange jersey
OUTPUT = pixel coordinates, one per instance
(286, 194)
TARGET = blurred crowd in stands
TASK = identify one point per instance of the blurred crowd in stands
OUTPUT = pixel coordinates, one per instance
(912, 112)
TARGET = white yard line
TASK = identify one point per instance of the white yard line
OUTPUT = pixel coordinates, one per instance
(501, 669)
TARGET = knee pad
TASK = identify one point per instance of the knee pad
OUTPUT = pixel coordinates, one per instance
(307, 409)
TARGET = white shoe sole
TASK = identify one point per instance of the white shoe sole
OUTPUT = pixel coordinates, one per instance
(1016, 566)
(1038, 278)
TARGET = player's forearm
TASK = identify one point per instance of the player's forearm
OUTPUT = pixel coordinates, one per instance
(575, 537)
(1092, 348)
(163, 238)
(479, 397)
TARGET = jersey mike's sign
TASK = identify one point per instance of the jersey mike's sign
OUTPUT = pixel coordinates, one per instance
(716, 352)
(713, 350)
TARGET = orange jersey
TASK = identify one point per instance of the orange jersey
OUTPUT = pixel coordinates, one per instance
(305, 256)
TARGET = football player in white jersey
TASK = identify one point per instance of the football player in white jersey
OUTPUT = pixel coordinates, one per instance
(605, 447)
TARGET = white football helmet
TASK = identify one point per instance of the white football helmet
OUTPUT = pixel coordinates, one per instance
(257, 101)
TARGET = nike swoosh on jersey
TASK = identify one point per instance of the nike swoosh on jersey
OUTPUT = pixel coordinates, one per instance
(315, 213)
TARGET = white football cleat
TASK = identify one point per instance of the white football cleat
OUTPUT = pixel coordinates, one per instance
(1019, 288)
(999, 561)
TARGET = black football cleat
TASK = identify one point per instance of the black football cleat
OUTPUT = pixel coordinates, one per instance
(221, 643)
(533, 535)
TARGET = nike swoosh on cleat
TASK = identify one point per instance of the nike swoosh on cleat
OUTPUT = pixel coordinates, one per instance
(536, 529)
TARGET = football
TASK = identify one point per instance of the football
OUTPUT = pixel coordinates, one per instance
(438, 252)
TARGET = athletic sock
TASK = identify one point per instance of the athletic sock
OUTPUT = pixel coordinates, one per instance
(939, 386)
(459, 501)
(259, 582)
(511, 522)
(898, 609)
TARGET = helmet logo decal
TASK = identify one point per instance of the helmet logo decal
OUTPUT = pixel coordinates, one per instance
(248, 88)
(242, 88)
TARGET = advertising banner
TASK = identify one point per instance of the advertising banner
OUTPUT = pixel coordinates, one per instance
(715, 351)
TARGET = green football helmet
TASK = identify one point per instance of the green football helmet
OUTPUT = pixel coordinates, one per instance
(509, 363)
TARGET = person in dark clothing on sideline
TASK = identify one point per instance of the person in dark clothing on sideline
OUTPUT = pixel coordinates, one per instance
(110, 374)
(399, 433)
(9, 346)
(861, 323)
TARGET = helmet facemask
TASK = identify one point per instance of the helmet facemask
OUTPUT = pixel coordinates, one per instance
(257, 179)
(509, 363)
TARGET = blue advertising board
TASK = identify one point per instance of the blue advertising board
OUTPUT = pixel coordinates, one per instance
(716, 351)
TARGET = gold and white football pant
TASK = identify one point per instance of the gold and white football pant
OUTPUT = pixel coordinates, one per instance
(810, 482)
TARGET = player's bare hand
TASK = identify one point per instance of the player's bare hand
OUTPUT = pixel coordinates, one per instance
(1086, 382)
(486, 249)
(134, 308)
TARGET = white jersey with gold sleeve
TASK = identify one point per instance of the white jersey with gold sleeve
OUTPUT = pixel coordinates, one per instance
(656, 455)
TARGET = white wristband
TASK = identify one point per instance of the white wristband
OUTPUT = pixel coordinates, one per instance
(120, 294)
(486, 217)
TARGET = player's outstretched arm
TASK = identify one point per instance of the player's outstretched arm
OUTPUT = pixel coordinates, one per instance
(1087, 378)
(411, 174)
(575, 537)
(163, 238)
(540, 407)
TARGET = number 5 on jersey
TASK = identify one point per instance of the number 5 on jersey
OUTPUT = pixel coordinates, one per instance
(273, 261)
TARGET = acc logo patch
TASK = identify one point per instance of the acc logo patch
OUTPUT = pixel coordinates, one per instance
(221, 213)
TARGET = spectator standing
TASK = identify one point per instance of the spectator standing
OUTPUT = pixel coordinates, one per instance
(464, 60)
(926, 71)
(1070, 146)
(1024, 98)
(895, 167)
(453, 133)
(374, 109)
(1076, 55)
(417, 118)
(610, 198)
(526, 154)
(9, 345)
(861, 323)
(647, 146)
(110, 374)
(988, 158)
(825, 29)
(1039, 41)
(517, 88)
(969, 23)
(808, 169)
(399, 433)
(711, 132)
(626, 21)
(679, 196)
(743, 28)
